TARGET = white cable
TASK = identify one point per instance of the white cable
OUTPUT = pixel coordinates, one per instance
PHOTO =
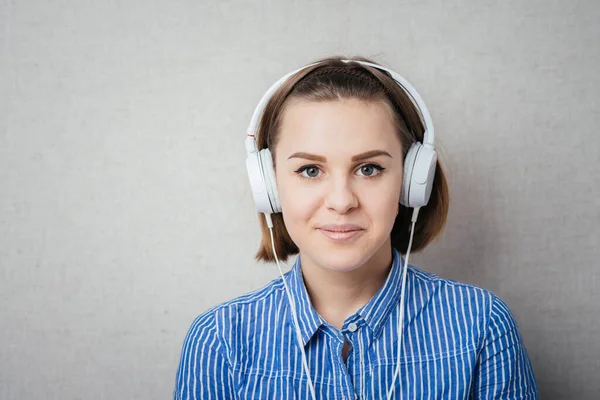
(401, 316)
(293, 308)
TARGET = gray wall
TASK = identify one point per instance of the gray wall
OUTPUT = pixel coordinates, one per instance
(124, 207)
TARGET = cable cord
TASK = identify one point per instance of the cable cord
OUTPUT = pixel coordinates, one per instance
(402, 295)
(400, 325)
(311, 387)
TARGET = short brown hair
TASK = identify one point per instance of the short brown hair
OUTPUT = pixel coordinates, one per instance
(332, 79)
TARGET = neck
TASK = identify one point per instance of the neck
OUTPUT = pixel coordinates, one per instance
(337, 295)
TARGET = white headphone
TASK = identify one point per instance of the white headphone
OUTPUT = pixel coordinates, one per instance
(419, 164)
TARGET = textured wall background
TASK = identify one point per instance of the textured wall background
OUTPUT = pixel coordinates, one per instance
(124, 206)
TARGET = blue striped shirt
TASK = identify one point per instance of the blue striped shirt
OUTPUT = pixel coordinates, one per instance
(459, 342)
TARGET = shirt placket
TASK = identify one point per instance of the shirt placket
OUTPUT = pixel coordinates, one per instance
(345, 385)
(356, 361)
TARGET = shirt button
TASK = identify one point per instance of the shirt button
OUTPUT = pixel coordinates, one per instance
(352, 327)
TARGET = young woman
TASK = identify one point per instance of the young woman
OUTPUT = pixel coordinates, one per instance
(347, 177)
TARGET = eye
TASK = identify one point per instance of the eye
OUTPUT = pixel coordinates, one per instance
(370, 170)
(309, 171)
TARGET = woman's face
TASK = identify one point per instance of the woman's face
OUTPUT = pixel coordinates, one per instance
(339, 172)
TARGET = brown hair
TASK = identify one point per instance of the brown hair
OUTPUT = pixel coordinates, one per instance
(332, 79)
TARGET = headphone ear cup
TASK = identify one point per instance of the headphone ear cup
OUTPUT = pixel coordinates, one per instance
(270, 181)
(409, 163)
(257, 182)
(418, 177)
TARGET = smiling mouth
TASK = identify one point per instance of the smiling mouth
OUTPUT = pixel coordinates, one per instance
(341, 234)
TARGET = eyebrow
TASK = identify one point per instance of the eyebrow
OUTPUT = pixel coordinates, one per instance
(358, 157)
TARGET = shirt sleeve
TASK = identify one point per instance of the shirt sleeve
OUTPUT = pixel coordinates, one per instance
(204, 371)
(503, 369)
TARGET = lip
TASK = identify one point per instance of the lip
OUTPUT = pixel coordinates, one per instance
(340, 228)
(341, 233)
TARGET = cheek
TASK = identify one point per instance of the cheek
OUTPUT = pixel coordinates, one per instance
(384, 192)
(382, 202)
(298, 208)
(297, 201)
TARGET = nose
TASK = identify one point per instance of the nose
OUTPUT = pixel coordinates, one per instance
(340, 196)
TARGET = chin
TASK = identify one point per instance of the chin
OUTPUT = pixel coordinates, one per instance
(341, 258)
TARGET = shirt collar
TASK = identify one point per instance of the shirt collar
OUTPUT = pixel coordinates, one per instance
(378, 309)
(308, 318)
(375, 312)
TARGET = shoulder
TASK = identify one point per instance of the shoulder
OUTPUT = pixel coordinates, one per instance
(434, 284)
(218, 322)
(211, 347)
(469, 304)
(247, 303)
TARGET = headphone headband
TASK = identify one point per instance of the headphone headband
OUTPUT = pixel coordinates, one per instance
(417, 100)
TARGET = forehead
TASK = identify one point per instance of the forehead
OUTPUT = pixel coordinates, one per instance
(347, 124)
